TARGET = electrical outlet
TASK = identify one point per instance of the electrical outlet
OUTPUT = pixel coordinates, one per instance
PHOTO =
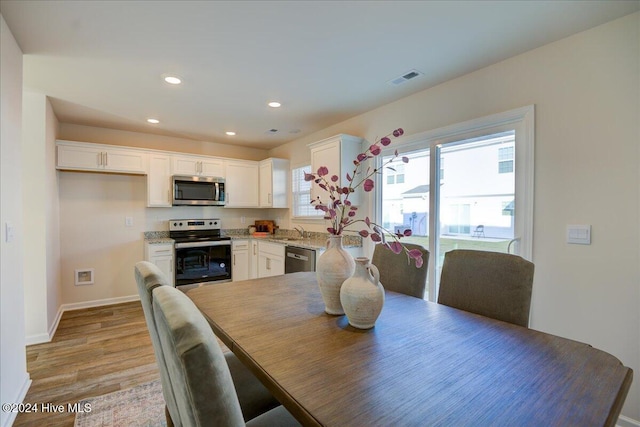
(242, 220)
(128, 221)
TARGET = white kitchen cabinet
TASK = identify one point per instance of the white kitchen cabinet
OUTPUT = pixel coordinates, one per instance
(270, 259)
(253, 260)
(241, 183)
(100, 158)
(337, 154)
(161, 254)
(159, 180)
(274, 183)
(198, 166)
(240, 266)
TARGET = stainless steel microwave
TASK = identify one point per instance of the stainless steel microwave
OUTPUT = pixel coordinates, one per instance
(198, 190)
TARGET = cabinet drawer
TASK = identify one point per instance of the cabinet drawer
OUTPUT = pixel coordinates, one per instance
(271, 249)
(240, 245)
(163, 249)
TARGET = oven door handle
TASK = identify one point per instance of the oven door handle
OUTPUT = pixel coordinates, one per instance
(202, 244)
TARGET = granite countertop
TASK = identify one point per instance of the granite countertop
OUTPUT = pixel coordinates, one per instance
(292, 238)
(285, 237)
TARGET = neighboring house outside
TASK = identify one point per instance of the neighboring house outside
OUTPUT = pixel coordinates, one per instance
(476, 188)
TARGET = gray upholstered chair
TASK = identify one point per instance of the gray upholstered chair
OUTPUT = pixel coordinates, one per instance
(254, 397)
(200, 377)
(397, 275)
(491, 284)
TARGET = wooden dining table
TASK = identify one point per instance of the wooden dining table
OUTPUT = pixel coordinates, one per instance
(423, 364)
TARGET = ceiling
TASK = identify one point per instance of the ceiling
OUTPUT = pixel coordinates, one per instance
(101, 62)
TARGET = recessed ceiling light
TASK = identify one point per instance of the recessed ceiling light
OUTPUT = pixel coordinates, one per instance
(230, 133)
(153, 121)
(171, 79)
(274, 104)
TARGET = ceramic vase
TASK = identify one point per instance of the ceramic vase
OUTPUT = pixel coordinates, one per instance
(335, 265)
(362, 295)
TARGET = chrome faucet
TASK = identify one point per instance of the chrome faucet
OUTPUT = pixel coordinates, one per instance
(300, 230)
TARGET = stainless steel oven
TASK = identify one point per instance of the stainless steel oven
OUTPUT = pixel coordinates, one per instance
(201, 253)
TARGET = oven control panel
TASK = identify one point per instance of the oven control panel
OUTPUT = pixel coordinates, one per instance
(194, 224)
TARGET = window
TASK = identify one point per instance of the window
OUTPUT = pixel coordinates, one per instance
(395, 173)
(301, 201)
(505, 160)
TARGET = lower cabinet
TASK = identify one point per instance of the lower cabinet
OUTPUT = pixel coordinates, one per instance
(253, 260)
(270, 259)
(161, 254)
(240, 266)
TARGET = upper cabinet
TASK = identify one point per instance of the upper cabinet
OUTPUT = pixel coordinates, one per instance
(337, 154)
(198, 165)
(274, 183)
(102, 158)
(248, 184)
(241, 183)
(159, 181)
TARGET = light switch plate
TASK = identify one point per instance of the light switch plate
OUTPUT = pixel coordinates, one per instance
(579, 234)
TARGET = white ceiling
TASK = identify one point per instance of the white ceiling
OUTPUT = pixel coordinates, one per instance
(101, 62)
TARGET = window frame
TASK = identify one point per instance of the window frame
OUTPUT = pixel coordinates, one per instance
(523, 121)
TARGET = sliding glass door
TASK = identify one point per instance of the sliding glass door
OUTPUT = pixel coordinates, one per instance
(469, 186)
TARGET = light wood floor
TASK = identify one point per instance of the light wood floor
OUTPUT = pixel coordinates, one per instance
(94, 351)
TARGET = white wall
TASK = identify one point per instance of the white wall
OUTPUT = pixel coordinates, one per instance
(13, 363)
(41, 237)
(586, 91)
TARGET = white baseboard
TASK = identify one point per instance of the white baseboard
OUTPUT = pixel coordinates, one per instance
(627, 422)
(42, 338)
(9, 417)
(99, 303)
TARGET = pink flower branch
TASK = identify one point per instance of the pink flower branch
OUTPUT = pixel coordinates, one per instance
(341, 212)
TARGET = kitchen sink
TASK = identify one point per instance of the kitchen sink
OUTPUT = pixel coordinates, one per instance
(286, 238)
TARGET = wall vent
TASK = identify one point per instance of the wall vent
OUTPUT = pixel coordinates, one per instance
(84, 277)
(409, 75)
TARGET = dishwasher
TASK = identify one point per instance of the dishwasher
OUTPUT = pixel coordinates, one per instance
(299, 259)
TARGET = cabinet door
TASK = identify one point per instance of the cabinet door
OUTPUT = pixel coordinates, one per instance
(80, 157)
(337, 154)
(241, 183)
(269, 265)
(270, 259)
(325, 155)
(212, 167)
(130, 161)
(159, 181)
(161, 255)
(183, 165)
(253, 260)
(196, 165)
(165, 264)
(240, 260)
(266, 184)
(275, 177)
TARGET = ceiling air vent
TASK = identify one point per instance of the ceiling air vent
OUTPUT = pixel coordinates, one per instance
(409, 75)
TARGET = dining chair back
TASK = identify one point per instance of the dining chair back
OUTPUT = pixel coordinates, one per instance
(255, 399)
(398, 274)
(148, 277)
(200, 377)
(491, 284)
